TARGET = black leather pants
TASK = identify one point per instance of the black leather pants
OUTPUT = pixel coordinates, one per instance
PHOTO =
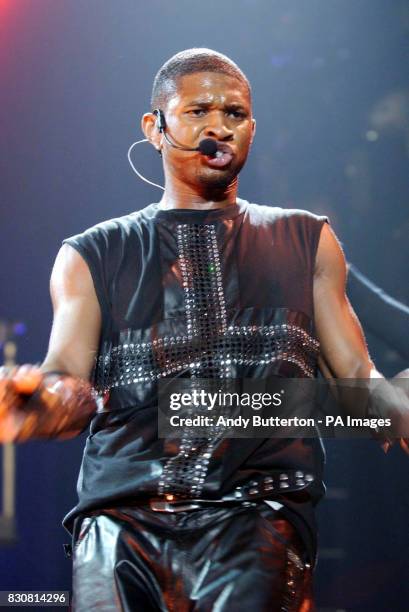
(221, 559)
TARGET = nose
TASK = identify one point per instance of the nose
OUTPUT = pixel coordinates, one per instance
(216, 127)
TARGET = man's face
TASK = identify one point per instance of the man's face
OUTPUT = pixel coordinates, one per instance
(208, 105)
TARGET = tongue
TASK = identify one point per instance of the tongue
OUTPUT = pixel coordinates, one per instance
(220, 160)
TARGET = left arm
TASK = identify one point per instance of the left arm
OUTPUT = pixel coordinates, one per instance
(344, 353)
(343, 345)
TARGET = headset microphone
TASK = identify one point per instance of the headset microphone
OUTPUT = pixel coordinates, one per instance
(207, 146)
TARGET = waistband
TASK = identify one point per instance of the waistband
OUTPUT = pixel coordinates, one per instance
(273, 485)
(159, 505)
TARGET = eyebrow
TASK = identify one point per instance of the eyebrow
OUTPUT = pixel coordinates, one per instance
(203, 104)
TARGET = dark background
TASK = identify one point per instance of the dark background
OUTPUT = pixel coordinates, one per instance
(331, 96)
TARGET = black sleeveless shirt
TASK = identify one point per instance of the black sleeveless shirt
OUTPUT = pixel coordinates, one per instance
(224, 293)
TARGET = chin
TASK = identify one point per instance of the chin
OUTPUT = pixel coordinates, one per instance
(213, 178)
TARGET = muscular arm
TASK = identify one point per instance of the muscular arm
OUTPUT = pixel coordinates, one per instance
(343, 348)
(38, 403)
(77, 316)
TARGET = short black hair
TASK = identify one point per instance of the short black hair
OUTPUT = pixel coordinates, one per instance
(189, 62)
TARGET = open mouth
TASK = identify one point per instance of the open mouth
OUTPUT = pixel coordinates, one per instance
(222, 157)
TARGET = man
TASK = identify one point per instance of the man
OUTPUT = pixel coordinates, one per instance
(201, 285)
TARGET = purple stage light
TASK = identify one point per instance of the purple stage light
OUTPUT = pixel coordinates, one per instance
(19, 328)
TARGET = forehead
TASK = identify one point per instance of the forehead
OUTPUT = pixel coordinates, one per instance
(209, 87)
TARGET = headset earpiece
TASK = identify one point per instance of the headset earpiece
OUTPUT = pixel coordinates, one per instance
(160, 120)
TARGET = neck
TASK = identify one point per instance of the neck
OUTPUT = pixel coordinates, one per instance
(181, 195)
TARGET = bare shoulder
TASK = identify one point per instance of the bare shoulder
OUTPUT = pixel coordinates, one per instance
(330, 259)
(77, 317)
(70, 275)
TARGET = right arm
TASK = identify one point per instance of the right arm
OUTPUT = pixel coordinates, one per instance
(56, 400)
(77, 316)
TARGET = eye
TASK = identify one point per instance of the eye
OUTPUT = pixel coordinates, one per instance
(237, 114)
(197, 112)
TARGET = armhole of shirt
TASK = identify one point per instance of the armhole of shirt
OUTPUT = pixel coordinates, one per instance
(96, 279)
(321, 221)
(316, 235)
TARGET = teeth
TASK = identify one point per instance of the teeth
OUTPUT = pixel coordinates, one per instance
(219, 153)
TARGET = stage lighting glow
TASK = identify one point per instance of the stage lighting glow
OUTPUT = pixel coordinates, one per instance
(351, 170)
(372, 135)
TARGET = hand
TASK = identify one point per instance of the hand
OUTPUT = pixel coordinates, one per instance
(404, 442)
(16, 384)
(402, 374)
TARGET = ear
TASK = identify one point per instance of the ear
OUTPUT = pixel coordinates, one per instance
(253, 130)
(148, 125)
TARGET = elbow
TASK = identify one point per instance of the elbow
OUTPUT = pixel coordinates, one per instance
(361, 368)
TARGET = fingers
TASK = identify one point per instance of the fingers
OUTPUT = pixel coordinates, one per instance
(404, 442)
(11, 425)
(27, 379)
(402, 374)
(8, 395)
(24, 379)
(15, 383)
